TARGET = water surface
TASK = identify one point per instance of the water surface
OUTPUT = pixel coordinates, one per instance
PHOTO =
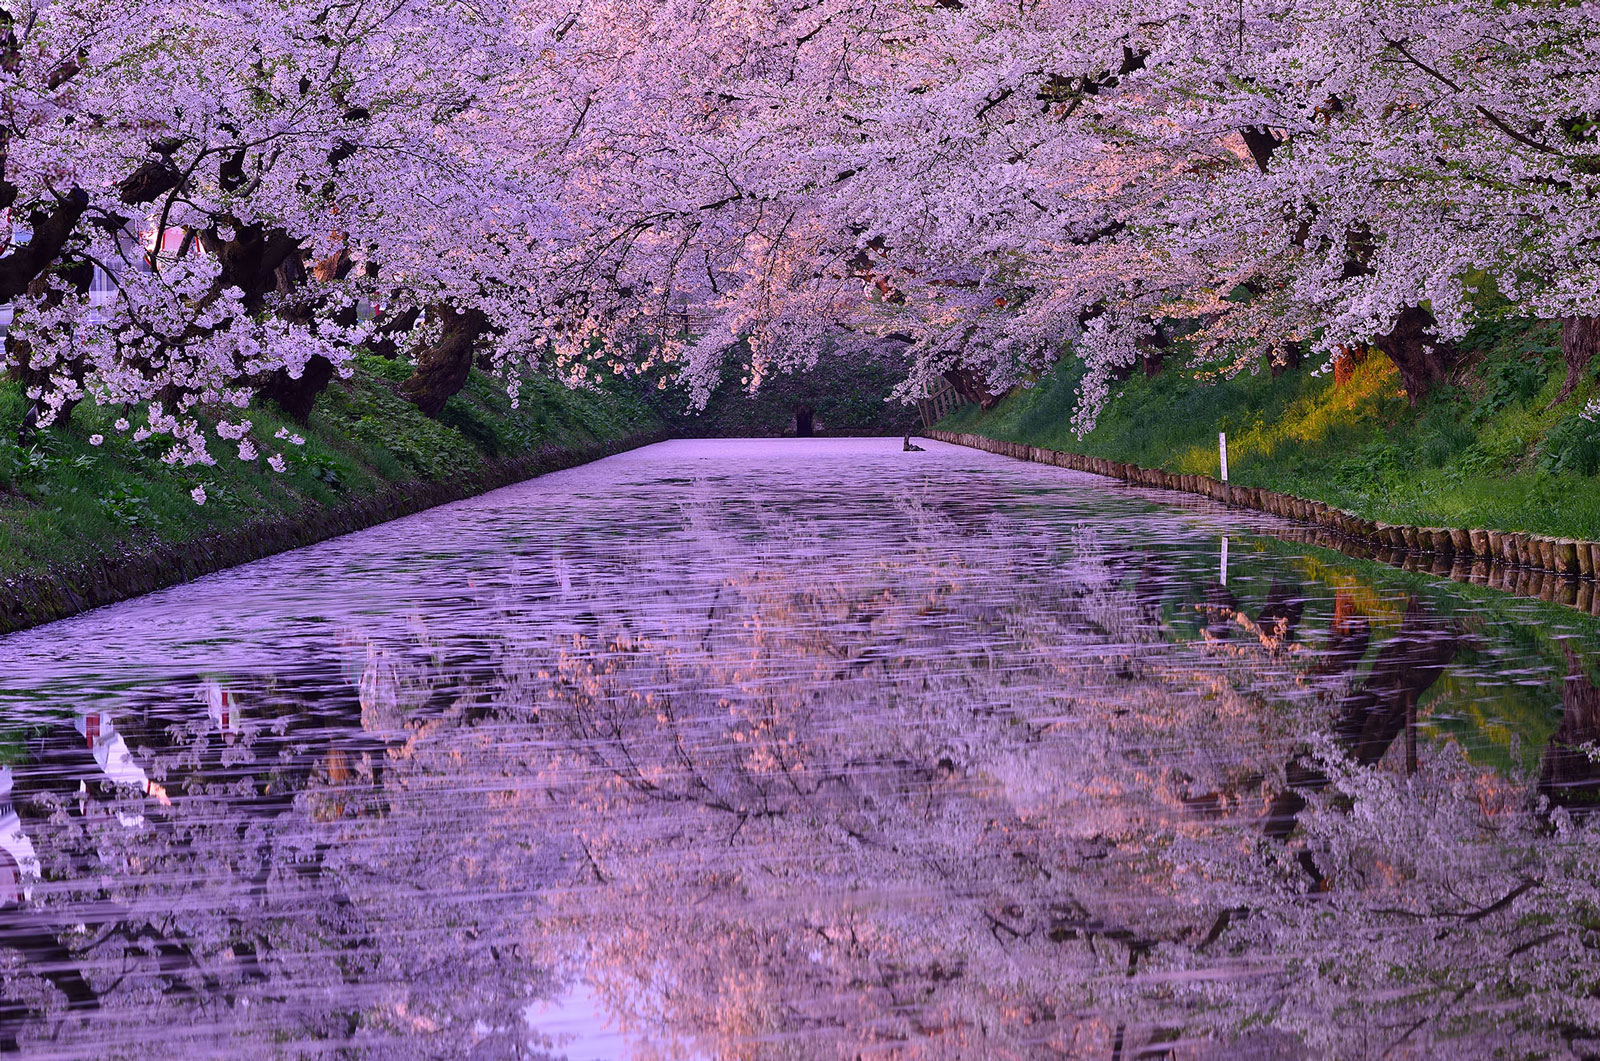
(803, 749)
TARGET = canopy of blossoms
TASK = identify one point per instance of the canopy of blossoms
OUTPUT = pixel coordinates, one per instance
(628, 187)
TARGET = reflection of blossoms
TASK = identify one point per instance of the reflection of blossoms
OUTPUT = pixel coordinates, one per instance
(997, 845)
(771, 787)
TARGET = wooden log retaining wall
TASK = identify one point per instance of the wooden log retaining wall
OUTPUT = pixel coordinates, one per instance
(1562, 570)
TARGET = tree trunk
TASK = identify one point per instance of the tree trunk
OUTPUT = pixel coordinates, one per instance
(1580, 343)
(1345, 362)
(1153, 351)
(19, 351)
(297, 396)
(1262, 143)
(1422, 359)
(972, 387)
(443, 365)
(251, 261)
(385, 342)
(25, 264)
(1284, 358)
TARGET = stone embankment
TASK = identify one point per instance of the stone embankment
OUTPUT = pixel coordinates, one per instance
(35, 599)
(1563, 570)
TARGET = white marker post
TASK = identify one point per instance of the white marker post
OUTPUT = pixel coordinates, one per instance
(1222, 449)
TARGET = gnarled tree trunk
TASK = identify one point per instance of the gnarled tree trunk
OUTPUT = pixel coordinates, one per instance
(295, 395)
(443, 365)
(1423, 360)
(1282, 359)
(26, 263)
(971, 386)
(251, 261)
(1153, 350)
(385, 341)
(1345, 362)
(1580, 343)
(19, 351)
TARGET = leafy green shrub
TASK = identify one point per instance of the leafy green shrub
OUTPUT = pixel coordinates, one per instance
(1508, 382)
(1572, 445)
(37, 462)
(324, 471)
(475, 425)
(429, 448)
(370, 412)
(129, 506)
(221, 495)
(395, 371)
(1484, 457)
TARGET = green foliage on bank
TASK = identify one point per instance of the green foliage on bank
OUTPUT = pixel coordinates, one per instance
(1491, 449)
(63, 499)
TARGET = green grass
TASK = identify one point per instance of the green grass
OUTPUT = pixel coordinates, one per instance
(63, 500)
(1490, 449)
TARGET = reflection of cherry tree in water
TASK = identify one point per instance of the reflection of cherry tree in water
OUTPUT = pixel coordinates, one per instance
(1433, 906)
(775, 796)
(858, 809)
(779, 791)
(237, 914)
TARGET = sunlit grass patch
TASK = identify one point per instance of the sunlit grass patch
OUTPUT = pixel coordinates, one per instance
(1493, 448)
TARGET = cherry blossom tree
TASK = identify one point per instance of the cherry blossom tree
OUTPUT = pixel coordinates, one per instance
(640, 188)
(244, 177)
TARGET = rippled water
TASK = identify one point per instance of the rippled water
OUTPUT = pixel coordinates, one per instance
(803, 749)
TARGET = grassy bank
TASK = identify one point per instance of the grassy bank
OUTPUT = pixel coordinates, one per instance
(1491, 449)
(65, 500)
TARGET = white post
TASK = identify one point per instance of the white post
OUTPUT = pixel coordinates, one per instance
(1222, 450)
(1224, 559)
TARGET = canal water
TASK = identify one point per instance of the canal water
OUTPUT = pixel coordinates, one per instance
(804, 749)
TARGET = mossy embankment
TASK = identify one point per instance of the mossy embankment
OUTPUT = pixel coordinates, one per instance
(89, 515)
(1493, 448)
